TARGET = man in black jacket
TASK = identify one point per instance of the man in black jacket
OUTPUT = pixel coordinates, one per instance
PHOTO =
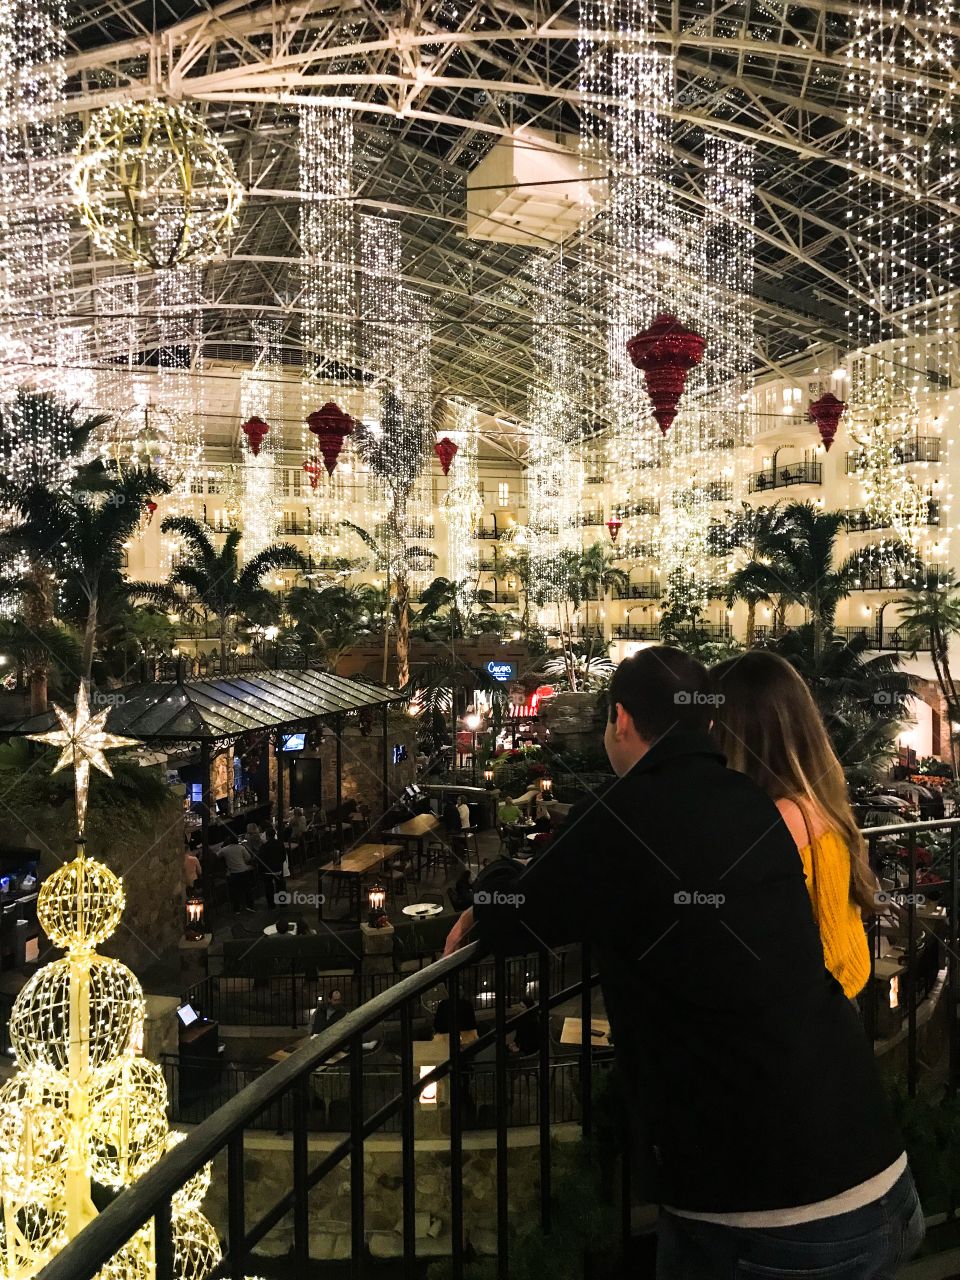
(752, 1081)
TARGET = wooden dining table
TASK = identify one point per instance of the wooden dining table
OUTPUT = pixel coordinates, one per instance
(365, 857)
(415, 831)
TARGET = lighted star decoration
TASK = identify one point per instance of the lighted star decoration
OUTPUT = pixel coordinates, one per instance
(84, 741)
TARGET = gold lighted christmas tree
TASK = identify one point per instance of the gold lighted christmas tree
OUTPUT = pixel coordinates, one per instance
(85, 1109)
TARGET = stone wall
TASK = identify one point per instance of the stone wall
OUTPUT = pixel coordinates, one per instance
(362, 764)
(267, 1170)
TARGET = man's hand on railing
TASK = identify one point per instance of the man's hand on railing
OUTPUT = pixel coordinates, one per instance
(459, 935)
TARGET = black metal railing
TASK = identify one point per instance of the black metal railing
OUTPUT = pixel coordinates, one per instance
(289, 999)
(286, 1088)
(913, 936)
(785, 477)
(891, 577)
(919, 449)
(638, 591)
(858, 520)
(330, 1089)
(884, 638)
(635, 631)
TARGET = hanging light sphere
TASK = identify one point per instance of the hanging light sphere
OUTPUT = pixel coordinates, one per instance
(826, 413)
(666, 352)
(154, 186)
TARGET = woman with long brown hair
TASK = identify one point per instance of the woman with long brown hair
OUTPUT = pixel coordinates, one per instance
(769, 727)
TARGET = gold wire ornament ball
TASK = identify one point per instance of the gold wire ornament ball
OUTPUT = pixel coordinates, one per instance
(80, 905)
(30, 1235)
(191, 1195)
(134, 1260)
(40, 1030)
(33, 1136)
(196, 1249)
(128, 1129)
(154, 186)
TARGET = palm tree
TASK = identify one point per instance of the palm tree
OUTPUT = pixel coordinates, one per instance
(753, 530)
(386, 561)
(441, 612)
(214, 581)
(861, 699)
(931, 615)
(330, 618)
(397, 455)
(80, 535)
(598, 577)
(54, 440)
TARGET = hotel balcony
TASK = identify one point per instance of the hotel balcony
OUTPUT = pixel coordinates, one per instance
(786, 477)
(919, 449)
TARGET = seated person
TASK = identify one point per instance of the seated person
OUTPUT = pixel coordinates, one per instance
(509, 812)
(283, 926)
(328, 1012)
(466, 1016)
(451, 817)
(526, 1039)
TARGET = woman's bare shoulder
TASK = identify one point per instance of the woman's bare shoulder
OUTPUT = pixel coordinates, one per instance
(801, 830)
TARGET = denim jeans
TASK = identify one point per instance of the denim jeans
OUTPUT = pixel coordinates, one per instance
(865, 1244)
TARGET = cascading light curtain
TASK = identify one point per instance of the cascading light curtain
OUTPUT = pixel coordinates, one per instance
(330, 284)
(554, 472)
(261, 395)
(902, 186)
(462, 503)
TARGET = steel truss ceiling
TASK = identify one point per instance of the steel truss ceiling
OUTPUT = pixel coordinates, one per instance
(434, 83)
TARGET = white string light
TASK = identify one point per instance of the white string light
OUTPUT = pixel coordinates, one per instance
(261, 395)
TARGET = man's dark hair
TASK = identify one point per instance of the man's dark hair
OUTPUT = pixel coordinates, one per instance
(283, 926)
(661, 688)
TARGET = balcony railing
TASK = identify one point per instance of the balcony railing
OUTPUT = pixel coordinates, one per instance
(859, 522)
(360, 1104)
(919, 449)
(885, 638)
(638, 591)
(894, 578)
(786, 477)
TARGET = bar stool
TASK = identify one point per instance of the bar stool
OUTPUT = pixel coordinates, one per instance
(467, 850)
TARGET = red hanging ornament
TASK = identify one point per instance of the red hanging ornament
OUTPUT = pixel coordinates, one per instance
(666, 352)
(826, 413)
(331, 426)
(151, 508)
(613, 527)
(255, 429)
(446, 451)
(312, 468)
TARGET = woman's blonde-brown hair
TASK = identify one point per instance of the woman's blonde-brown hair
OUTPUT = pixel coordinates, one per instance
(769, 727)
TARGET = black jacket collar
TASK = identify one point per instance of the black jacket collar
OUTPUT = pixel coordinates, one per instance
(676, 743)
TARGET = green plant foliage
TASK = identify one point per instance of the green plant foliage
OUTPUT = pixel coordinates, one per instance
(931, 1132)
(514, 771)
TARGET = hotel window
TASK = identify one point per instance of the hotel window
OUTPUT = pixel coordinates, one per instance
(503, 494)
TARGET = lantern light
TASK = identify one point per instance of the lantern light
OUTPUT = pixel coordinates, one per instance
(377, 897)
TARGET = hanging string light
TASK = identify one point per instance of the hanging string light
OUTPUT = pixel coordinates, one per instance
(462, 504)
(34, 219)
(554, 473)
(261, 396)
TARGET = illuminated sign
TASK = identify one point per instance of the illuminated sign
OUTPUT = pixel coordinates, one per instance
(502, 671)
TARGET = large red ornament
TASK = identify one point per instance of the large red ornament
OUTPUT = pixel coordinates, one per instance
(666, 352)
(446, 451)
(255, 429)
(151, 508)
(331, 426)
(312, 468)
(826, 413)
(613, 527)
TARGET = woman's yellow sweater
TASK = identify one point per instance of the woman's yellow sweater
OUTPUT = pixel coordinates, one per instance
(826, 865)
